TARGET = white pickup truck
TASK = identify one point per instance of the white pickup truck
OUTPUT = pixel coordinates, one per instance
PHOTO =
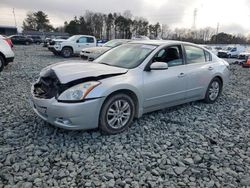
(72, 46)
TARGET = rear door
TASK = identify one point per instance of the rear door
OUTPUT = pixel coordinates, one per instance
(199, 69)
(162, 87)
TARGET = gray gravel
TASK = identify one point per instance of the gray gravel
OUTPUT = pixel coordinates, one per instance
(192, 145)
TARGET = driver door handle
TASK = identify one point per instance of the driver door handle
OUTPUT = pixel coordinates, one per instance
(181, 75)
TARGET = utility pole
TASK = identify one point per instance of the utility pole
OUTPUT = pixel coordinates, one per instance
(194, 17)
(217, 31)
(14, 16)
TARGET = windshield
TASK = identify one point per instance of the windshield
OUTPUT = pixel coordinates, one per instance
(126, 56)
(72, 38)
(113, 43)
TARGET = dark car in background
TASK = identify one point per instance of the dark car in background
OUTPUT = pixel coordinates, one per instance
(19, 39)
(36, 39)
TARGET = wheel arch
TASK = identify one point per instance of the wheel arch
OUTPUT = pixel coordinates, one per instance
(131, 94)
(67, 46)
(1, 54)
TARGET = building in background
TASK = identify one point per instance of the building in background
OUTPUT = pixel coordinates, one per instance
(8, 30)
(44, 35)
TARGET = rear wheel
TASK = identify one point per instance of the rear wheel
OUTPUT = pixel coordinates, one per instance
(117, 114)
(27, 43)
(213, 90)
(67, 52)
(2, 63)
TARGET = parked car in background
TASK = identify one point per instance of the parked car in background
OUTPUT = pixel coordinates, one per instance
(126, 82)
(93, 52)
(223, 53)
(244, 55)
(6, 53)
(19, 39)
(73, 45)
(235, 51)
(36, 39)
(53, 43)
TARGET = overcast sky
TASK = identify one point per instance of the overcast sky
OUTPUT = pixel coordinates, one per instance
(233, 16)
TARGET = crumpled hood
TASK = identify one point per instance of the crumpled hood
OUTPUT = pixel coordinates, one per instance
(96, 49)
(74, 70)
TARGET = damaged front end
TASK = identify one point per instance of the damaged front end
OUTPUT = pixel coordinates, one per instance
(49, 85)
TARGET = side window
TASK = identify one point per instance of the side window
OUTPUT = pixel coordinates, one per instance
(90, 40)
(234, 50)
(208, 56)
(194, 54)
(82, 40)
(172, 55)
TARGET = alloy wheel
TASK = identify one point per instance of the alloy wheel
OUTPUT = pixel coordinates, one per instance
(118, 114)
(214, 90)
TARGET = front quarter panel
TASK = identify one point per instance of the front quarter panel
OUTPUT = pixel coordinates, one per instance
(132, 81)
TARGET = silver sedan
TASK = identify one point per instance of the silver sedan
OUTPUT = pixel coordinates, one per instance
(126, 82)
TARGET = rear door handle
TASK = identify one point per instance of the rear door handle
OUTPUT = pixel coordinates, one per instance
(181, 75)
(210, 68)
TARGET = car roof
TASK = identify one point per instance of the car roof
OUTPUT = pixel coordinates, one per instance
(160, 42)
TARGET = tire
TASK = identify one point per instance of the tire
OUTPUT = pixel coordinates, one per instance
(120, 121)
(27, 43)
(213, 91)
(229, 56)
(2, 63)
(67, 52)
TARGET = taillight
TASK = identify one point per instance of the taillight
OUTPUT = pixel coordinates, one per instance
(9, 42)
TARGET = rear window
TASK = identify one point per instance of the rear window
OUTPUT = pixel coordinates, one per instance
(90, 40)
(208, 56)
(194, 54)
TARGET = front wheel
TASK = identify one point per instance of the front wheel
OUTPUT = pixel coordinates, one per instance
(117, 114)
(213, 91)
(67, 52)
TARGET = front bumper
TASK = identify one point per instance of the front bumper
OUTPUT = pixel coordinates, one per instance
(72, 116)
(54, 49)
(9, 59)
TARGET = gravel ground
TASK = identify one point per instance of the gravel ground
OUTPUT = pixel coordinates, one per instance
(192, 145)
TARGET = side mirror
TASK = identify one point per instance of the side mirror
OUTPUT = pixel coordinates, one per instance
(77, 41)
(159, 66)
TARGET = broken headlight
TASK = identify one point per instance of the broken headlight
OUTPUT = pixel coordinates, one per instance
(78, 92)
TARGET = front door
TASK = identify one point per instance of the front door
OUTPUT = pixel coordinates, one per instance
(165, 86)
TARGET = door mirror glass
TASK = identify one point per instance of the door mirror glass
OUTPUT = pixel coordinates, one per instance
(159, 66)
(77, 41)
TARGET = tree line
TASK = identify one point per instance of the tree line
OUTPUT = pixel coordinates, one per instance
(125, 25)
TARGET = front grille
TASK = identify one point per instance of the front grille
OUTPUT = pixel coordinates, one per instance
(52, 42)
(46, 87)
